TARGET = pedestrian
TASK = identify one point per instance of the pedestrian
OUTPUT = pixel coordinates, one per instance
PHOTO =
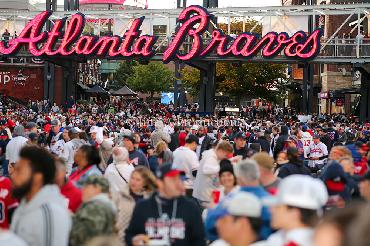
(294, 166)
(141, 186)
(119, 172)
(317, 153)
(205, 141)
(15, 145)
(240, 221)
(71, 147)
(96, 216)
(240, 145)
(70, 192)
(174, 144)
(87, 159)
(136, 157)
(42, 217)
(295, 210)
(167, 218)
(207, 178)
(7, 201)
(159, 134)
(185, 159)
(227, 181)
(247, 174)
(266, 167)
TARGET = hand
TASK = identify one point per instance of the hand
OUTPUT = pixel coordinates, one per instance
(140, 239)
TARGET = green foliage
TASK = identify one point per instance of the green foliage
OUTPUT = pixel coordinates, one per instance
(236, 26)
(191, 80)
(151, 78)
(125, 70)
(253, 79)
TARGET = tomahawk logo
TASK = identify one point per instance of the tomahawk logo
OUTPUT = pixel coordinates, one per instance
(20, 79)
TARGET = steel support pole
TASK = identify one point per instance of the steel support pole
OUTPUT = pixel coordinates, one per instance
(365, 97)
(49, 68)
(310, 66)
(305, 89)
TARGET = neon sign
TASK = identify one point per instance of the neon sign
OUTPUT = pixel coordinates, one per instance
(66, 39)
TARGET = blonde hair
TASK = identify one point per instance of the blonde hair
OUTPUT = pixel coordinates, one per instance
(225, 146)
(160, 147)
(149, 178)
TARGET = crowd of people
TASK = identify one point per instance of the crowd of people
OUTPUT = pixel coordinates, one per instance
(137, 173)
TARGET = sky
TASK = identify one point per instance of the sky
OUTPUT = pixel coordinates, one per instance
(161, 4)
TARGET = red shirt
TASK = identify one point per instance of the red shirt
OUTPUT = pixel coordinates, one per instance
(182, 137)
(73, 195)
(6, 201)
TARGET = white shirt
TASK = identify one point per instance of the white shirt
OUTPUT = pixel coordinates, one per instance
(199, 147)
(186, 160)
(207, 178)
(317, 151)
(306, 140)
(14, 147)
(70, 149)
(301, 237)
(54, 140)
(113, 174)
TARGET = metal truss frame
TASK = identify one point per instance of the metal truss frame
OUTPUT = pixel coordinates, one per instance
(232, 12)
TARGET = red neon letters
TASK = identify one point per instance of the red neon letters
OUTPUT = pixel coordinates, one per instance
(67, 40)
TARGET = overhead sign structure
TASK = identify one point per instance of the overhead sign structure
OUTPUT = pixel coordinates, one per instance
(67, 40)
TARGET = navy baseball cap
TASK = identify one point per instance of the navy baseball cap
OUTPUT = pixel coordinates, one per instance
(240, 135)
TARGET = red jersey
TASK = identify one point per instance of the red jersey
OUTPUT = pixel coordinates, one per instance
(73, 195)
(6, 201)
(182, 137)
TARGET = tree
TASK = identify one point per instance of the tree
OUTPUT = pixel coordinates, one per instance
(151, 78)
(191, 80)
(258, 80)
(236, 26)
(125, 70)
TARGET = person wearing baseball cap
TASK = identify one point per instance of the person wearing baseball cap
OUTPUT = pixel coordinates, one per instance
(240, 145)
(154, 217)
(364, 185)
(96, 216)
(317, 153)
(295, 210)
(240, 220)
(136, 157)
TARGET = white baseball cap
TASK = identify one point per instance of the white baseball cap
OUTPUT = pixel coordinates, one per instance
(242, 204)
(195, 127)
(301, 191)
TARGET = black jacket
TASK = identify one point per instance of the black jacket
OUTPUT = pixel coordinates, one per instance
(174, 144)
(265, 144)
(206, 144)
(281, 140)
(325, 139)
(293, 168)
(188, 229)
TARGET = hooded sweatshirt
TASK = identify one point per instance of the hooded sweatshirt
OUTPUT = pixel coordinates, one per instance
(178, 221)
(44, 220)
